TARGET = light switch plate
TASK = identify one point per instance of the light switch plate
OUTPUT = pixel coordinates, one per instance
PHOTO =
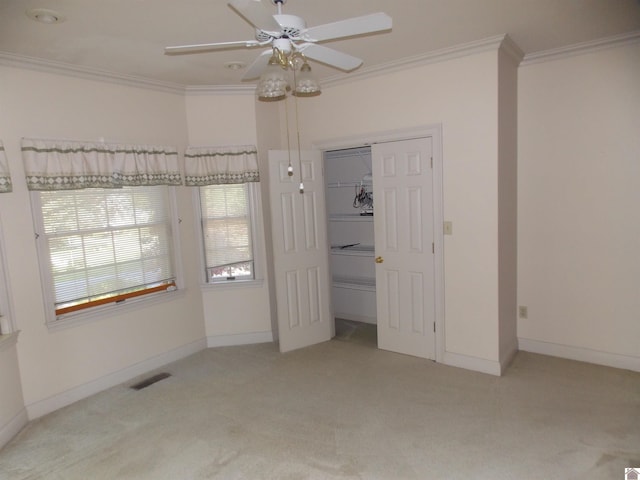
(448, 228)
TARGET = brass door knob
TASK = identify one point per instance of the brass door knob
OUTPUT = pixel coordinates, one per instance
(379, 259)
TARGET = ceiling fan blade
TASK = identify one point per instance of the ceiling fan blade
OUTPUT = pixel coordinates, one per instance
(330, 56)
(258, 65)
(184, 49)
(375, 22)
(257, 14)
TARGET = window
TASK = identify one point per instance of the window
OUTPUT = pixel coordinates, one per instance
(100, 246)
(227, 232)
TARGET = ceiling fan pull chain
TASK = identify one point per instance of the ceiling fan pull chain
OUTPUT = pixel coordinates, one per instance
(286, 119)
(295, 100)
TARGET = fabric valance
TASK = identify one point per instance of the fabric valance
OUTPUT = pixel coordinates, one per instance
(68, 165)
(5, 177)
(220, 165)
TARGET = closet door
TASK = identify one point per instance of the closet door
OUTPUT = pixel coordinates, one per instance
(404, 236)
(300, 250)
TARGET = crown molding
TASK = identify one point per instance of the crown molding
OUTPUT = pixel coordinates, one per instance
(49, 66)
(503, 42)
(582, 48)
(449, 53)
(89, 73)
(220, 89)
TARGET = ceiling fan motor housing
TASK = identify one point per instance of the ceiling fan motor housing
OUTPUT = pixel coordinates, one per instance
(291, 27)
(282, 44)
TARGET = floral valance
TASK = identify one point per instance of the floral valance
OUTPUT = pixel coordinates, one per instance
(5, 177)
(67, 165)
(220, 165)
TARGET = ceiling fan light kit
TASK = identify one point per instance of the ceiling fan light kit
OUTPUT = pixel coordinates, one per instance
(306, 85)
(273, 83)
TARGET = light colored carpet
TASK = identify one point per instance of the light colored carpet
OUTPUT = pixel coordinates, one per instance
(342, 410)
(356, 332)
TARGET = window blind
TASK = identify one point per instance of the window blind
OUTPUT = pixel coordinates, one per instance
(104, 243)
(226, 225)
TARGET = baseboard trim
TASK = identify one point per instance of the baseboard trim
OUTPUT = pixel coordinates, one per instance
(239, 339)
(13, 427)
(598, 357)
(55, 402)
(472, 363)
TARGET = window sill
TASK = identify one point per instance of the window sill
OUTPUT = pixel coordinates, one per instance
(63, 322)
(231, 284)
(8, 340)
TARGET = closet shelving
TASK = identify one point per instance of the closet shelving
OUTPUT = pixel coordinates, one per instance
(351, 234)
(353, 250)
(349, 184)
(355, 283)
(349, 217)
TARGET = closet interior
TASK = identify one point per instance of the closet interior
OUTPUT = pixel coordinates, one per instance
(350, 213)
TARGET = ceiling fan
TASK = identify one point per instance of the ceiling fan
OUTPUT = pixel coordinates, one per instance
(289, 35)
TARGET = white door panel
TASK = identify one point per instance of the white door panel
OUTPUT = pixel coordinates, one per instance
(404, 235)
(301, 263)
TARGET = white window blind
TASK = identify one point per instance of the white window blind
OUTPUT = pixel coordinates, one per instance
(107, 244)
(226, 225)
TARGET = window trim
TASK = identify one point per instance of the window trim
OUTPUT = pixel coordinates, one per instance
(6, 299)
(257, 239)
(110, 306)
(116, 298)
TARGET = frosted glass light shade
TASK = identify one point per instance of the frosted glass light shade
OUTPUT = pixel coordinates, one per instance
(306, 85)
(273, 82)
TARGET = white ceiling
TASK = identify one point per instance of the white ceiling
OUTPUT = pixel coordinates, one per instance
(127, 37)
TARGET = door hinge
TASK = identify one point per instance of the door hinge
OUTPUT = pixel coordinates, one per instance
(433, 247)
(431, 162)
(434, 327)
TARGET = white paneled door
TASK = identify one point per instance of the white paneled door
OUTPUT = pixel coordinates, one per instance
(404, 244)
(300, 250)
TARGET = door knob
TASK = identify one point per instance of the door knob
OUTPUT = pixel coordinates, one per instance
(379, 259)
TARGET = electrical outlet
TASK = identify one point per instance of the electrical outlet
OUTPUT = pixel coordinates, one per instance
(448, 228)
(523, 312)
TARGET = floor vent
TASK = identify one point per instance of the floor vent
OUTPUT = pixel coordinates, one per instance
(150, 381)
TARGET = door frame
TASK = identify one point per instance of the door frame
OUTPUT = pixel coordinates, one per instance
(435, 132)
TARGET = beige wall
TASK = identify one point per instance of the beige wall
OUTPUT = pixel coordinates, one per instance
(54, 363)
(13, 415)
(11, 391)
(214, 120)
(579, 195)
(268, 130)
(462, 95)
(221, 119)
(12, 412)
